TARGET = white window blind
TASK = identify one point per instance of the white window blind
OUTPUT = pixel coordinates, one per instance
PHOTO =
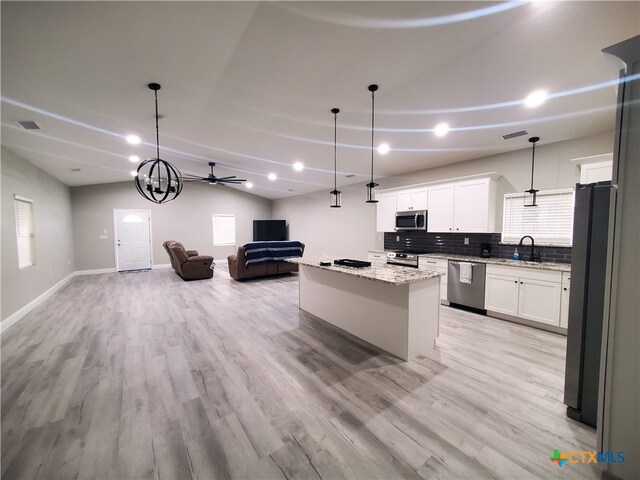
(550, 223)
(224, 230)
(24, 231)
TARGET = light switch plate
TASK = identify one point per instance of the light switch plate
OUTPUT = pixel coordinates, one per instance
(466, 240)
(103, 237)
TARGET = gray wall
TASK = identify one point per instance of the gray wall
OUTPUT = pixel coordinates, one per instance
(351, 230)
(53, 232)
(348, 231)
(186, 219)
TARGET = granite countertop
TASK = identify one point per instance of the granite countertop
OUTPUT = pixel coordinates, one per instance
(558, 267)
(393, 274)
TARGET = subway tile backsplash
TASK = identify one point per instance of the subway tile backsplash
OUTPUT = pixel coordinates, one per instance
(424, 242)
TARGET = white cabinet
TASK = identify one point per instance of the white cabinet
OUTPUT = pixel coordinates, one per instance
(526, 293)
(413, 199)
(463, 207)
(539, 301)
(501, 294)
(386, 212)
(440, 215)
(596, 172)
(564, 304)
(377, 257)
(439, 265)
(475, 206)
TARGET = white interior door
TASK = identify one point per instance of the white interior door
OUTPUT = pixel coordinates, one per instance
(133, 239)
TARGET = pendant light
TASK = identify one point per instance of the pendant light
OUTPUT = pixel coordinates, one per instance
(157, 180)
(335, 194)
(530, 195)
(372, 187)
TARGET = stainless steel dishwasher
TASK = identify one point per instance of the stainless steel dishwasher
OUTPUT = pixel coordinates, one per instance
(469, 295)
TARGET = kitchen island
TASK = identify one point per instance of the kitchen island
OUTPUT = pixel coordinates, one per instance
(392, 307)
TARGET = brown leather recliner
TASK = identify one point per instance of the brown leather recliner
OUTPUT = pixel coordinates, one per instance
(239, 271)
(187, 263)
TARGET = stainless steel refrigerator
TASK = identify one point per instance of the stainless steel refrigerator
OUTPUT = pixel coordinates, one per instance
(587, 299)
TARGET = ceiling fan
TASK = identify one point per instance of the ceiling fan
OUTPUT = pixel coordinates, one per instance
(211, 178)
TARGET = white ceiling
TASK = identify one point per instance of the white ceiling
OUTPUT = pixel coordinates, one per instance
(251, 85)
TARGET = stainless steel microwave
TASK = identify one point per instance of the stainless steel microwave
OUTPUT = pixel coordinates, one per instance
(411, 220)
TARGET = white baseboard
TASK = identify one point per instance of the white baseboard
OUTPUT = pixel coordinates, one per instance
(17, 315)
(161, 265)
(95, 272)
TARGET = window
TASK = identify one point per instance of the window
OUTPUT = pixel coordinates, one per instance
(24, 231)
(550, 223)
(224, 230)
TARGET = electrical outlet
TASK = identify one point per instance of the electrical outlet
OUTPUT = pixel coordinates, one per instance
(397, 238)
(466, 240)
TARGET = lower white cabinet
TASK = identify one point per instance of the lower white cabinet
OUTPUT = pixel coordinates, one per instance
(501, 294)
(564, 304)
(539, 300)
(438, 265)
(526, 293)
(377, 257)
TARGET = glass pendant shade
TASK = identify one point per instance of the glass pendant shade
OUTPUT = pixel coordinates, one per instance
(335, 198)
(372, 192)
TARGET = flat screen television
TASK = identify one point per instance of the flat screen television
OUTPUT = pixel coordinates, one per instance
(269, 230)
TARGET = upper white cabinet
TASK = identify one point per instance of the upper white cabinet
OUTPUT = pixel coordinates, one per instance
(464, 207)
(414, 199)
(596, 172)
(440, 215)
(475, 206)
(597, 168)
(386, 212)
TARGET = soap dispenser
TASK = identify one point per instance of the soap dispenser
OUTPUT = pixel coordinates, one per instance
(516, 255)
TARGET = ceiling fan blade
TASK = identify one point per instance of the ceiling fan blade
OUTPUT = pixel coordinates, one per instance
(226, 178)
(236, 181)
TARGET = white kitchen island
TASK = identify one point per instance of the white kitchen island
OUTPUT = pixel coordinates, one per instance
(394, 308)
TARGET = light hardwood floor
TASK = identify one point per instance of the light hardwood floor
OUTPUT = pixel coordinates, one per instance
(142, 375)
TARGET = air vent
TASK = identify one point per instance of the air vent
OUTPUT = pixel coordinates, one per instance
(351, 175)
(28, 125)
(509, 136)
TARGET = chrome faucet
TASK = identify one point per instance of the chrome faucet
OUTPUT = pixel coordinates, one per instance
(532, 256)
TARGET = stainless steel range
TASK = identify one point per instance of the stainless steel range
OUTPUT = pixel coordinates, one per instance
(406, 259)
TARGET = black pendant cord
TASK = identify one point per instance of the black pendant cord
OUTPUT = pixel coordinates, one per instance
(373, 100)
(533, 157)
(157, 129)
(335, 150)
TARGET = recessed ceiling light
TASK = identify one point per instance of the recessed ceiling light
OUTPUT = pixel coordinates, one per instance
(441, 129)
(298, 166)
(133, 139)
(272, 176)
(134, 173)
(134, 159)
(383, 148)
(248, 185)
(535, 99)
